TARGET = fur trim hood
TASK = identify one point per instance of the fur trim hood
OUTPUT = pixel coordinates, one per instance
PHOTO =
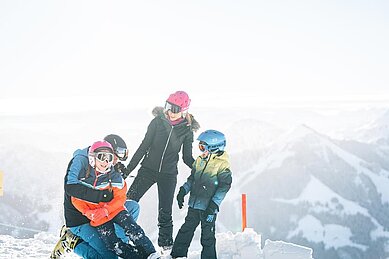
(158, 111)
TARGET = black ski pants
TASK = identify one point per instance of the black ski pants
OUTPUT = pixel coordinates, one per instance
(143, 245)
(185, 235)
(166, 184)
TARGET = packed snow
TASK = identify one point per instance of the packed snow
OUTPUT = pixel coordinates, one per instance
(241, 245)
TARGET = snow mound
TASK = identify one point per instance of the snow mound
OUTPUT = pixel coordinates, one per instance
(283, 250)
(241, 245)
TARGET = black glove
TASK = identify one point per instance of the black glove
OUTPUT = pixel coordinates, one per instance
(210, 212)
(180, 197)
(106, 195)
(122, 170)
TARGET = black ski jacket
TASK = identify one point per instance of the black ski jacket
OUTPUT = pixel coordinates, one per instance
(162, 143)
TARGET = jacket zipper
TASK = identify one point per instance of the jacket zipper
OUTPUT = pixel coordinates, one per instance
(97, 174)
(201, 175)
(95, 181)
(163, 153)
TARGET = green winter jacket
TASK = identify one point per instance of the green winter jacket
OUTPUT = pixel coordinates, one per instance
(210, 179)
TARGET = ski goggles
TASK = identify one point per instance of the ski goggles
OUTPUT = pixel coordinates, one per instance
(172, 107)
(121, 153)
(203, 146)
(104, 156)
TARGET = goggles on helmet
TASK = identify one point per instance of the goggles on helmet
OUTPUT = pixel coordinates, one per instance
(104, 156)
(172, 107)
(121, 153)
(203, 146)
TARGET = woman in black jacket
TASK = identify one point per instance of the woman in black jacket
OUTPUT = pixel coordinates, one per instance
(170, 131)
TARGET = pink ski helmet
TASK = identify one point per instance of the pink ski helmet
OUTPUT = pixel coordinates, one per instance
(180, 99)
(98, 146)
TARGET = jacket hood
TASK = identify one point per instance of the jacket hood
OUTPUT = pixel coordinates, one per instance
(81, 152)
(159, 111)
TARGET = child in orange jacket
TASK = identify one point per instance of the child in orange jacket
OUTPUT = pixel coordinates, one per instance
(101, 175)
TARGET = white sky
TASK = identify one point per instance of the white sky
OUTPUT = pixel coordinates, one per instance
(220, 52)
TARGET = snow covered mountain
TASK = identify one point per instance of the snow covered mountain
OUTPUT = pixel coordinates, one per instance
(309, 190)
(377, 131)
(248, 139)
(250, 134)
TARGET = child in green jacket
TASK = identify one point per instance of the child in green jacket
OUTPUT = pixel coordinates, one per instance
(208, 184)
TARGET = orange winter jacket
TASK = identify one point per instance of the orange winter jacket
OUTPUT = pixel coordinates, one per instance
(113, 207)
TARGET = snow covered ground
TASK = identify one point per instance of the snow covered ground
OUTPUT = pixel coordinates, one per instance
(242, 245)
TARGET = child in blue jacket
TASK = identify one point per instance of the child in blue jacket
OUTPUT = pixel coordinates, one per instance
(208, 184)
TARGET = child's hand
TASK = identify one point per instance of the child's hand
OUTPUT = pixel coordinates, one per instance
(210, 212)
(180, 197)
(100, 214)
(96, 214)
(122, 169)
(90, 214)
(210, 218)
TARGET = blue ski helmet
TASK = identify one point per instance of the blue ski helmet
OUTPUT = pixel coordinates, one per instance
(212, 141)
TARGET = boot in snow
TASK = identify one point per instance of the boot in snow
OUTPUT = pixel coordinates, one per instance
(166, 250)
(66, 243)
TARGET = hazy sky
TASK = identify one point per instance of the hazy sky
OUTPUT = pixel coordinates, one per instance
(218, 51)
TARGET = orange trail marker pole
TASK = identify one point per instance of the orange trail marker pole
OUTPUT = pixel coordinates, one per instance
(244, 215)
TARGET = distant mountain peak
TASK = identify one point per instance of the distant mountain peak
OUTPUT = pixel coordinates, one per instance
(304, 128)
(300, 132)
(376, 131)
